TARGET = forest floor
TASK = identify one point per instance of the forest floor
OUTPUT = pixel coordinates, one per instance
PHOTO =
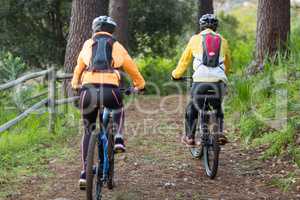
(157, 166)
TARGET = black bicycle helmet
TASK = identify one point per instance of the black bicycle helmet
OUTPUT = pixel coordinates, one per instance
(101, 21)
(209, 21)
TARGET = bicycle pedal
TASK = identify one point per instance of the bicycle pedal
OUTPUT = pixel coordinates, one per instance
(222, 142)
(82, 188)
(117, 151)
(82, 185)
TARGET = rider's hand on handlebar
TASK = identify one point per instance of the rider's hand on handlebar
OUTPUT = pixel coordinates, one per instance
(129, 91)
(76, 87)
(76, 92)
(133, 90)
(175, 79)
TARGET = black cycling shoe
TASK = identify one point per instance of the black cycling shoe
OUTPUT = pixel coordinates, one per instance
(82, 181)
(119, 145)
(222, 139)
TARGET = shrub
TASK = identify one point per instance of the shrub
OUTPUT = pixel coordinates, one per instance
(10, 67)
(157, 72)
(250, 128)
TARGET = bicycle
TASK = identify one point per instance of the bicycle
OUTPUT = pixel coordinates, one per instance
(207, 144)
(100, 157)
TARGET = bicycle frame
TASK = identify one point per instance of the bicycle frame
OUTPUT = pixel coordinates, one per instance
(105, 161)
(208, 141)
(103, 142)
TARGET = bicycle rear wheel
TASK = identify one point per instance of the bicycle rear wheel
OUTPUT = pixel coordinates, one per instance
(111, 157)
(211, 152)
(94, 169)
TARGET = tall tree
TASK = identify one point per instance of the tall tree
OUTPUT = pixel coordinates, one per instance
(273, 28)
(119, 12)
(103, 7)
(204, 7)
(44, 23)
(83, 13)
(149, 34)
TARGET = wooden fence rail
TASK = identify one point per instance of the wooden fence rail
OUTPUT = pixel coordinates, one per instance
(13, 122)
(50, 102)
(23, 79)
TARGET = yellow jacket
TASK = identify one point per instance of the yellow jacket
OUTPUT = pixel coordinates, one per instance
(121, 58)
(194, 51)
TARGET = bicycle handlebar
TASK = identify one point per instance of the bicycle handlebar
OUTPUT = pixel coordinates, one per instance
(127, 91)
(185, 78)
(131, 90)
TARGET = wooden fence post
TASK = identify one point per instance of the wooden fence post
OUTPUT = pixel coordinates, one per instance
(51, 102)
(65, 95)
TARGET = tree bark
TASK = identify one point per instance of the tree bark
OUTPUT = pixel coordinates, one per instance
(83, 13)
(204, 7)
(57, 28)
(273, 28)
(102, 7)
(119, 12)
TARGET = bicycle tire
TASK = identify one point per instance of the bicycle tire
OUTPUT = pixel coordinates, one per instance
(94, 182)
(211, 162)
(197, 151)
(111, 157)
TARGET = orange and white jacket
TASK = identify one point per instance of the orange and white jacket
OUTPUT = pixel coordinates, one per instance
(121, 58)
(202, 73)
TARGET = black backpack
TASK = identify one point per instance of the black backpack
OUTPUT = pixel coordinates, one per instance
(101, 60)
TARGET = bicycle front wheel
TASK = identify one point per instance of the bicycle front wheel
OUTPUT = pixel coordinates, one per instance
(111, 157)
(211, 151)
(94, 171)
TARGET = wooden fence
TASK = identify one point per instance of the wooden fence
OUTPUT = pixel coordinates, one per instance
(51, 102)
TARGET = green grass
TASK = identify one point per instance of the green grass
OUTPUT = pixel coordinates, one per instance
(286, 182)
(278, 141)
(264, 109)
(27, 149)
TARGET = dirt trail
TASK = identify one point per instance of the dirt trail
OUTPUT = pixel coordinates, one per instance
(156, 166)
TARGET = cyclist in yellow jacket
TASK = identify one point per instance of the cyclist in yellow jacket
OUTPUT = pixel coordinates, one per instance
(98, 78)
(210, 54)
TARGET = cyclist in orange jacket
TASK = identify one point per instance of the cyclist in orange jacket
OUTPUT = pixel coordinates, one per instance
(98, 78)
(211, 63)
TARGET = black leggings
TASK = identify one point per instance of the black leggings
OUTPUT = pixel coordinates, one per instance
(199, 100)
(92, 100)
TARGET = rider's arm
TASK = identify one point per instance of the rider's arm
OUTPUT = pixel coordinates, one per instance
(80, 67)
(227, 60)
(122, 58)
(184, 62)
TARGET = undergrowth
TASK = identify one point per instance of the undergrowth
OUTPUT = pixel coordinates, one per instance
(27, 149)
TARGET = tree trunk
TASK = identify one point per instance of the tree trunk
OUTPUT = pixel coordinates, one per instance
(56, 24)
(273, 28)
(83, 13)
(102, 7)
(204, 7)
(119, 12)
